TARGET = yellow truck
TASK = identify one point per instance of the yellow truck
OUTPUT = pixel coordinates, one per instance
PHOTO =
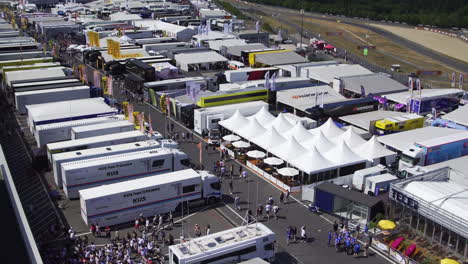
(399, 123)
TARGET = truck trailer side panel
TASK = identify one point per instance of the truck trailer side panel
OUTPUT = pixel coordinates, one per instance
(60, 158)
(101, 129)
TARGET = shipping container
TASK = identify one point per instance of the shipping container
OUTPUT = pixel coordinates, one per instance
(118, 203)
(89, 173)
(60, 158)
(101, 129)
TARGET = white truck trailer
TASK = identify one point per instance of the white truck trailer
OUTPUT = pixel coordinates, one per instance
(206, 119)
(101, 129)
(119, 203)
(48, 96)
(359, 176)
(61, 131)
(40, 114)
(95, 142)
(229, 246)
(378, 184)
(89, 173)
(60, 158)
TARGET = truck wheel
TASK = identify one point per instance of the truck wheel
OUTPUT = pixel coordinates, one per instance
(211, 200)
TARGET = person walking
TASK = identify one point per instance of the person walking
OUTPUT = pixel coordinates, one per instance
(335, 227)
(275, 211)
(303, 234)
(244, 175)
(231, 187)
(281, 198)
(147, 222)
(294, 233)
(358, 230)
(330, 236)
(348, 247)
(237, 202)
(270, 200)
(357, 248)
(288, 235)
(171, 219)
(366, 249)
(268, 210)
(197, 230)
(337, 242)
(208, 229)
(286, 198)
(259, 212)
(223, 171)
(161, 222)
(137, 225)
(231, 171)
(240, 170)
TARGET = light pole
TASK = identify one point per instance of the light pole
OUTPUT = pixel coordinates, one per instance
(302, 22)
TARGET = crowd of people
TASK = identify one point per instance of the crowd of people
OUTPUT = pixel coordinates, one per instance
(346, 241)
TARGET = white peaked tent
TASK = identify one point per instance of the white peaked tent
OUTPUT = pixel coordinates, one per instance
(320, 142)
(269, 139)
(251, 129)
(281, 124)
(329, 129)
(288, 150)
(313, 162)
(299, 132)
(235, 122)
(351, 137)
(373, 149)
(343, 155)
(264, 117)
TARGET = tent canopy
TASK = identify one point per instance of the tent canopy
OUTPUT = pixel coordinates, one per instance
(299, 132)
(329, 129)
(313, 162)
(372, 149)
(342, 154)
(234, 122)
(281, 124)
(289, 149)
(320, 142)
(263, 116)
(269, 139)
(351, 137)
(251, 129)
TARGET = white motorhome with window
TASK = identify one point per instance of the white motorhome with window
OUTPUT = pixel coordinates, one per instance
(60, 158)
(230, 246)
(119, 203)
(89, 173)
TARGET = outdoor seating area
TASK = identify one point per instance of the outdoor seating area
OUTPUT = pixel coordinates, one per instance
(406, 246)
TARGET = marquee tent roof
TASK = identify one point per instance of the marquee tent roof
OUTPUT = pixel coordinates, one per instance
(263, 116)
(269, 139)
(351, 137)
(235, 121)
(320, 142)
(299, 132)
(251, 129)
(329, 128)
(288, 150)
(312, 162)
(343, 155)
(281, 124)
(373, 149)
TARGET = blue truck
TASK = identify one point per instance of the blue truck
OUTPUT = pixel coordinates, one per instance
(435, 150)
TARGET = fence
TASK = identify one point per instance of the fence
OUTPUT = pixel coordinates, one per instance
(392, 253)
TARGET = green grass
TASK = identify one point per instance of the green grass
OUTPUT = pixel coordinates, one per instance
(231, 9)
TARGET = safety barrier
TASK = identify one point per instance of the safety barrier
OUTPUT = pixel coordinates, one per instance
(26, 233)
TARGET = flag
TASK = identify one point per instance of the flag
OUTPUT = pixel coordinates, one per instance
(280, 37)
(208, 26)
(461, 80)
(453, 80)
(226, 29)
(230, 26)
(199, 146)
(109, 85)
(257, 26)
(267, 80)
(316, 96)
(434, 113)
(130, 113)
(363, 91)
(168, 106)
(410, 84)
(150, 125)
(273, 82)
(141, 121)
(418, 86)
(321, 99)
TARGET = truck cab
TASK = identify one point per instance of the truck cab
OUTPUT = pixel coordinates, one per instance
(211, 187)
(214, 137)
(181, 161)
(399, 123)
(410, 157)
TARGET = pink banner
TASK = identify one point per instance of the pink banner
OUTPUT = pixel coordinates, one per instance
(150, 125)
(109, 86)
(97, 79)
(141, 121)
(130, 113)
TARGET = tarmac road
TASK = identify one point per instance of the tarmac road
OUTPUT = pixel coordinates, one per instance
(257, 190)
(458, 65)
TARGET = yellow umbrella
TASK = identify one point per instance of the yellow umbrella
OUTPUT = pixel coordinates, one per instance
(386, 224)
(449, 261)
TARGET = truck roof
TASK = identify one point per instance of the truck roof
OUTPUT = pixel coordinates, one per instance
(63, 109)
(223, 239)
(91, 151)
(216, 109)
(92, 127)
(375, 169)
(443, 140)
(403, 118)
(85, 141)
(382, 177)
(150, 153)
(55, 90)
(137, 184)
(80, 122)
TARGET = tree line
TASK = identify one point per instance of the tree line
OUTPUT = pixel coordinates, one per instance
(450, 13)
